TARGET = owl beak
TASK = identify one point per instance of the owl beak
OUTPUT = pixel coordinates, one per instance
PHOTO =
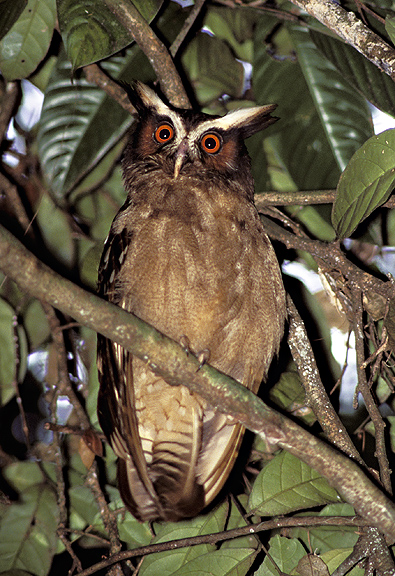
(181, 156)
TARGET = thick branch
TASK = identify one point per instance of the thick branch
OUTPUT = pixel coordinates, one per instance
(167, 359)
(347, 26)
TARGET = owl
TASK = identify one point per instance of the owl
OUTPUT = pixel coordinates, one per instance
(188, 254)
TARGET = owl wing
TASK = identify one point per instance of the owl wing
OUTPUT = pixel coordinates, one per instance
(157, 464)
(116, 412)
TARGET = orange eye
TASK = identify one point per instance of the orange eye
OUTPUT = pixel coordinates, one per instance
(211, 143)
(164, 133)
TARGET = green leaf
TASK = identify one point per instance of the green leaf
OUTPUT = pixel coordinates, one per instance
(10, 12)
(325, 538)
(166, 563)
(8, 356)
(235, 26)
(209, 80)
(333, 559)
(285, 552)
(91, 32)
(316, 220)
(391, 422)
(23, 475)
(28, 532)
(83, 504)
(26, 44)
(365, 184)
(36, 324)
(79, 124)
(133, 532)
(344, 114)
(56, 231)
(390, 27)
(289, 394)
(222, 562)
(16, 573)
(287, 484)
(361, 74)
(298, 139)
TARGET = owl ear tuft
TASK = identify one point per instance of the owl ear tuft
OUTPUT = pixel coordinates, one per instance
(248, 121)
(143, 97)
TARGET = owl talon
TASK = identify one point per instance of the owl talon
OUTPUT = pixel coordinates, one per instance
(203, 357)
(185, 344)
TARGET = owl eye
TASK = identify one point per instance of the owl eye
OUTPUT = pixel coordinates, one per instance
(163, 133)
(211, 143)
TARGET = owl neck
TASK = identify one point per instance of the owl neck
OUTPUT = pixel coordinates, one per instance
(156, 181)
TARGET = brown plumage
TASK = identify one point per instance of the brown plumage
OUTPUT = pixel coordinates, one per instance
(188, 254)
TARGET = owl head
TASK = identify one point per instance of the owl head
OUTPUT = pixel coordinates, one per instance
(183, 142)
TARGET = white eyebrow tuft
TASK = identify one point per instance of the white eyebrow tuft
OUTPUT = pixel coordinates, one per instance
(152, 100)
(237, 118)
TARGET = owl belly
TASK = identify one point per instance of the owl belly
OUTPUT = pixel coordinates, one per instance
(219, 290)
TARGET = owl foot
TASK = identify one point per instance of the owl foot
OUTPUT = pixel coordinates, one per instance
(203, 356)
(185, 344)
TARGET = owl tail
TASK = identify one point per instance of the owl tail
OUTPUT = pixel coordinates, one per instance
(171, 491)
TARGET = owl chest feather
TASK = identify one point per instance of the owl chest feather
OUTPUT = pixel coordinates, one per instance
(198, 260)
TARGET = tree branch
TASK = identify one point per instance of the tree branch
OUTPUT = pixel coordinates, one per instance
(316, 394)
(158, 55)
(350, 29)
(168, 359)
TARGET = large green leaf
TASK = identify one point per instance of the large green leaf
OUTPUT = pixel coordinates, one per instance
(300, 140)
(13, 354)
(285, 552)
(366, 183)
(362, 75)
(287, 484)
(166, 563)
(210, 80)
(91, 31)
(222, 562)
(235, 26)
(80, 123)
(289, 394)
(10, 12)
(55, 230)
(334, 558)
(26, 44)
(344, 113)
(325, 538)
(28, 532)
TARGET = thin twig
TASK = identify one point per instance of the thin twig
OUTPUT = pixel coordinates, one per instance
(64, 379)
(108, 517)
(158, 55)
(371, 406)
(15, 202)
(330, 256)
(97, 76)
(197, 7)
